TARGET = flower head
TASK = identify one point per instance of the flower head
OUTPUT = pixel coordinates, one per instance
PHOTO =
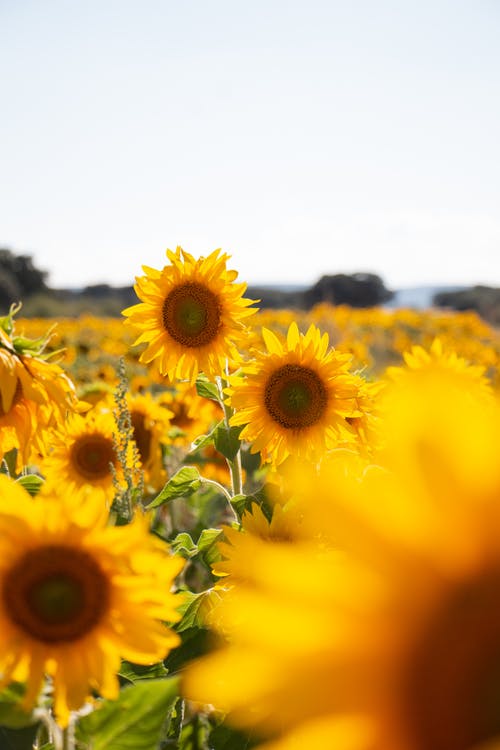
(191, 315)
(77, 595)
(296, 398)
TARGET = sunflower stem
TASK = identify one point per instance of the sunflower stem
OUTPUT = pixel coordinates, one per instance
(68, 737)
(235, 464)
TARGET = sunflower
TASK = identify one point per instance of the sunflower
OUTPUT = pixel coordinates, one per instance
(296, 398)
(150, 423)
(238, 547)
(34, 394)
(439, 358)
(393, 644)
(191, 315)
(81, 455)
(77, 595)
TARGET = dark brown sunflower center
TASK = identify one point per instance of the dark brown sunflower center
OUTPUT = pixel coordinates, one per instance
(453, 695)
(18, 394)
(191, 314)
(56, 594)
(92, 455)
(295, 396)
(142, 435)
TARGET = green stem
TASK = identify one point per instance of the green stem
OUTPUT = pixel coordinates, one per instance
(235, 465)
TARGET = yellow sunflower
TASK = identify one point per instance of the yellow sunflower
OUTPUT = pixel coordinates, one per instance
(239, 545)
(191, 315)
(77, 595)
(81, 454)
(34, 394)
(394, 643)
(150, 423)
(439, 358)
(296, 398)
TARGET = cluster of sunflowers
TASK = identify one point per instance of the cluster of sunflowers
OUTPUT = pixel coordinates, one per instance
(244, 536)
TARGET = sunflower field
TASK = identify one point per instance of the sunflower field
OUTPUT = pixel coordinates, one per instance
(225, 528)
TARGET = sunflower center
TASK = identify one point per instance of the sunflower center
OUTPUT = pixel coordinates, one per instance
(91, 455)
(454, 688)
(295, 396)
(142, 435)
(191, 314)
(18, 394)
(56, 594)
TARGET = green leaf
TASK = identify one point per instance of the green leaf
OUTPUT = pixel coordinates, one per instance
(136, 672)
(133, 722)
(206, 389)
(11, 713)
(227, 440)
(192, 610)
(184, 545)
(32, 483)
(184, 483)
(207, 546)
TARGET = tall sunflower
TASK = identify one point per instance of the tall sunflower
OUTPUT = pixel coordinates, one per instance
(191, 315)
(81, 455)
(393, 644)
(77, 595)
(296, 398)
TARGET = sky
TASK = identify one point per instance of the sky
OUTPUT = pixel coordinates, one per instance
(304, 138)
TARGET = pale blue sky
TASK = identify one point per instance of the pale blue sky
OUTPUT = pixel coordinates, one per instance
(301, 137)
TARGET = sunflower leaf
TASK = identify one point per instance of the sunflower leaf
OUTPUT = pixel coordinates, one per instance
(11, 713)
(206, 389)
(184, 545)
(227, 440)
(183, 484)
(207, 546)
(136, 672)
(133, 722)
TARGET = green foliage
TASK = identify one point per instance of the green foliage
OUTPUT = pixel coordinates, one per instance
(206, 389)
(134, 722)
(184, 483)
(227, 440)
(18, 739)
(135, 672)
(12, 715)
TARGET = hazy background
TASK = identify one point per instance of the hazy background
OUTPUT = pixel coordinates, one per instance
(302, 137)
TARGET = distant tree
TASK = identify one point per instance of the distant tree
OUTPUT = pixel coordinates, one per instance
(19, 278)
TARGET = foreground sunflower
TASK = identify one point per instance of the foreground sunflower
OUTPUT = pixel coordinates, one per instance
(191, 315)
(77, 595)
(393, 643)
(296, 398)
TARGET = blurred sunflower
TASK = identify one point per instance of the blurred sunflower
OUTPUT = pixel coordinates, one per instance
(77, 595)
(296, 398)
(438, 358)
(81, 454)
(34, 393)
(150, 422)
(392, 643)
(191, 315)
